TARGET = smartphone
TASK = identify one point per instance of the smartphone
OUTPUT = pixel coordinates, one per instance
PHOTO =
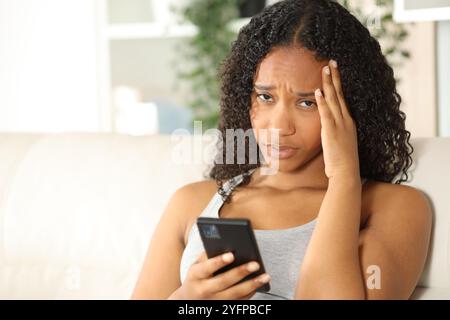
(220, 235)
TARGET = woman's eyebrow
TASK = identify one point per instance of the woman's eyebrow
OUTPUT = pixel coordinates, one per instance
(264, 87)
(270, 87)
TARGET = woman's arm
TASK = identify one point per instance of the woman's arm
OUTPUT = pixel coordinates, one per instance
(395, 240)
(159, 276)
(331, 268)
(384, 261)
(394, 244)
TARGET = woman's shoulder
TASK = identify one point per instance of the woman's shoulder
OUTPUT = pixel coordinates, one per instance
(193, 195)
(392, 191)
(391, 202)
(201, 187)
(191, 199)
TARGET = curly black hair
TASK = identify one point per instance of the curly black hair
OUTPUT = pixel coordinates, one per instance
(331, 32)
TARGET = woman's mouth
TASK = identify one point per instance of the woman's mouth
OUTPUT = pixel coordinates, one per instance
(283, 152)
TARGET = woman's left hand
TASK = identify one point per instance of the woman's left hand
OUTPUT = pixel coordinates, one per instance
(338, 133)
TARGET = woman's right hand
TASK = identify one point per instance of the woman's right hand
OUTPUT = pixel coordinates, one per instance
(200, 283)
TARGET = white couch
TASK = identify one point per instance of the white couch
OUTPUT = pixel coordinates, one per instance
(77, 211)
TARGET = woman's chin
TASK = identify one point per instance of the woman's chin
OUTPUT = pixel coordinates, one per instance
(282, 165)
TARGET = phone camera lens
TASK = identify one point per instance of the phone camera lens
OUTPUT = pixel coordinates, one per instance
(211, 231)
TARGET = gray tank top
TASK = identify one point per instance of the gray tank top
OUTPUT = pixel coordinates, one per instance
(282, 250)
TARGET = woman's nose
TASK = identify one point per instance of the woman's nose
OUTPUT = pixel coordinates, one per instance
(281, 119)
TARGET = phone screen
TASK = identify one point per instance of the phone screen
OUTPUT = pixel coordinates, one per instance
(220, 235)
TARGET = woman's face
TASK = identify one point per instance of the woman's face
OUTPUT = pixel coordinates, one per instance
(283, 98)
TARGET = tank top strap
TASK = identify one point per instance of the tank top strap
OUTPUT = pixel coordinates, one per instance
(228, 187)
(232, 183)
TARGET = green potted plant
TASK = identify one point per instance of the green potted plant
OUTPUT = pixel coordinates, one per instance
(205, 52)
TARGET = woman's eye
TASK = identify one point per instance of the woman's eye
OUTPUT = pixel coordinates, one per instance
(264, 97)
(307, 104)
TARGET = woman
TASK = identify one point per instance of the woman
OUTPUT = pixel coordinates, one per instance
(330, 223)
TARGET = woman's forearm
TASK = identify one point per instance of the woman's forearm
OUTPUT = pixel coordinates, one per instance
(331, 267)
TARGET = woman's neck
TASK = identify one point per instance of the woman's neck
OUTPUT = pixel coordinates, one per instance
(309, 175)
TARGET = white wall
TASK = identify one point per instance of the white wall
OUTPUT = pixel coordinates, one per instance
(149, 66)
(443, 54)
(418, 80)
(48, 66)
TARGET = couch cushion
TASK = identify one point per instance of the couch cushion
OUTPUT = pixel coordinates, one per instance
(78, 202)
(422, 293)
(431, 174)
